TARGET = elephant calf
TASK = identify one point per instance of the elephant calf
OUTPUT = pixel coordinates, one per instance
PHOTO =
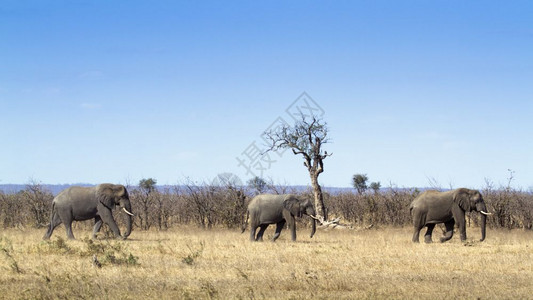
(433, 207)
(84, 203)
(268, 209)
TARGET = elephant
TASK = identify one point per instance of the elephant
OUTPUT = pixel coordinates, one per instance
(434, 207)
(83, 203)
(266, 209)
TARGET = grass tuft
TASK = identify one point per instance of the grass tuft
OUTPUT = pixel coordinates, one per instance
(6, 248)
(113, 253)
(190, 259)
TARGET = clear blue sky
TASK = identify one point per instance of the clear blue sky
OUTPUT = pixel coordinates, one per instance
(412, 91)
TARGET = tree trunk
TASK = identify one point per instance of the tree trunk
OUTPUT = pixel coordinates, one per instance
(319, 198)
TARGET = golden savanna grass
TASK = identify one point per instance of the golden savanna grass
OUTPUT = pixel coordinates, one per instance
(189, 263)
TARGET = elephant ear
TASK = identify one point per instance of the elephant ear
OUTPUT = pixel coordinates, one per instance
(462, 198)
(120, 191)
(293, 206)
(106, 195)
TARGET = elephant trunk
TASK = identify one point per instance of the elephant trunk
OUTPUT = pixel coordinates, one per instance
(129, 221)
(310, 211)
(483, 212)
(483, 226)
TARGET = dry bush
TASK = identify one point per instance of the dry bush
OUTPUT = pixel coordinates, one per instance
(511, 208)
(390, 207)
(12, 210)
(204, 205)
(38, 200)
(209, 206)
(29, 207)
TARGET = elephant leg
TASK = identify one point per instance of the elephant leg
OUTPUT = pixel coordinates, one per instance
(292, 226)
(279, 228)
(107, 217)
(68, 227)
(55, 221)
(462, 229)
(261, 232)
(419, 222)
(97, 225)
(253, 228)
(429, 231)
(449, 231)
(416, 234)
(66, 218)
(459, 216)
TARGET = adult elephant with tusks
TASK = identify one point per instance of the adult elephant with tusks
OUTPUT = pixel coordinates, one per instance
(268, 209)
(84, 203)
(434, 207)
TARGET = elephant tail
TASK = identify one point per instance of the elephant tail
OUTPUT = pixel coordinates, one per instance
(51, 225)
(245, 224)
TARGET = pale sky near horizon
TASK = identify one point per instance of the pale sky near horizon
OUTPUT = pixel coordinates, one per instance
(413, 92)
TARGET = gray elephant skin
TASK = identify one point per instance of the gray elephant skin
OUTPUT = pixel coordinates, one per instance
(84, 203)
(434, 207)
(267, 209)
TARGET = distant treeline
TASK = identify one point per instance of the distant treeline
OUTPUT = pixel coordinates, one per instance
(56, 188)
(225, 206)
(52, 188)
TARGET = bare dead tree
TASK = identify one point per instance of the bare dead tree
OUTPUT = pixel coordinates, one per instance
(305, 138)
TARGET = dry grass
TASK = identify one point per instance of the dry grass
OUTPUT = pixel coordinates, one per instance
(188, 263)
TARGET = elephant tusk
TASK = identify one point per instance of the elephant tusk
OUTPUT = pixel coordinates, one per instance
(486, 213)
(127, 212)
